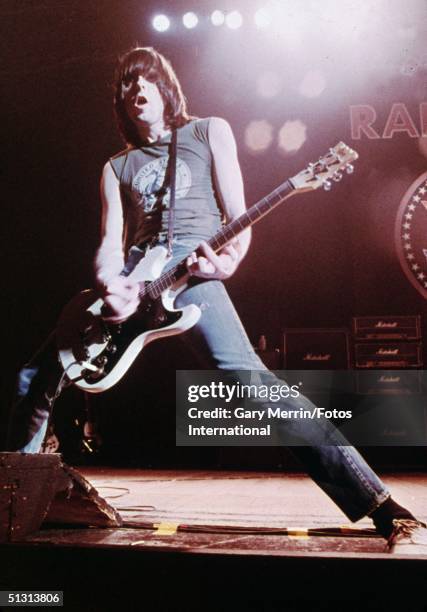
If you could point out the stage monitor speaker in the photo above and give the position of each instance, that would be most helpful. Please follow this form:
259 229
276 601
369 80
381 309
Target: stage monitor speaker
36 487
316 349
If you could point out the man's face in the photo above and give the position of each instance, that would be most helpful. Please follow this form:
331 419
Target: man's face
143 102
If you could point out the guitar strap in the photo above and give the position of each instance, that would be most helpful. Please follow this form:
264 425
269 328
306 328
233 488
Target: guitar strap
172 177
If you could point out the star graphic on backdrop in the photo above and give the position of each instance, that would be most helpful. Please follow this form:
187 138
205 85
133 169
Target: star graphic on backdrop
411 234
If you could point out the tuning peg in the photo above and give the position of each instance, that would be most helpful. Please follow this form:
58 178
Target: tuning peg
349 169
337 176
327 185
310 168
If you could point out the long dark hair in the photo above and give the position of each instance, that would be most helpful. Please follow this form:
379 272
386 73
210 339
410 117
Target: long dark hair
155 68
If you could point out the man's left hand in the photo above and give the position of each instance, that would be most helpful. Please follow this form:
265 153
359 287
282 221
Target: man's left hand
212 265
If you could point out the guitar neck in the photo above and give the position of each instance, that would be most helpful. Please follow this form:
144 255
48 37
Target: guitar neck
251 216
224 236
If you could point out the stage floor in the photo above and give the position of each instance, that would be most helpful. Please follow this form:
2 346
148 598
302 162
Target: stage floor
231 513
198 540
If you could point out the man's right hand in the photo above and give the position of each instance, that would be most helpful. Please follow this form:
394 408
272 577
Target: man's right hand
121 298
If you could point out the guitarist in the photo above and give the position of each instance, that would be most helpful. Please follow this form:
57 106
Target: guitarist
135 193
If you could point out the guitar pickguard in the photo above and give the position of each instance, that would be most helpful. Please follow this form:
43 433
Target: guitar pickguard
151 315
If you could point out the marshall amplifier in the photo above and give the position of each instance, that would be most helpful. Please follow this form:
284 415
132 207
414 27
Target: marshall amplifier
382 420
387 328
388 355
389 382
316 349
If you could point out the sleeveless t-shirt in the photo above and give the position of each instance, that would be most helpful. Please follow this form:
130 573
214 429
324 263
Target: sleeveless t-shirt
142 173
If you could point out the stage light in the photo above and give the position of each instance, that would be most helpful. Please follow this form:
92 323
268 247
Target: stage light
161 23
313 84
287 20
234 20
190 20
217 18
268 85
258 135
410 68
292 136
262 18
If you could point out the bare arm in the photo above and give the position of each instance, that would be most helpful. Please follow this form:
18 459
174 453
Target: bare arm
120 294
229 185
109 259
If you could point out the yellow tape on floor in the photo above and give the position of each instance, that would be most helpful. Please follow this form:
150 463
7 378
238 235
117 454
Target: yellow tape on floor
298 532
166 529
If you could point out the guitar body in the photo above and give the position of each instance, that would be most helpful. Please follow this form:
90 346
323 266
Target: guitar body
94 354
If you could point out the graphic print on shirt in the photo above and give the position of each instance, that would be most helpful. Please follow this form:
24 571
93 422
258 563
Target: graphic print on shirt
149 183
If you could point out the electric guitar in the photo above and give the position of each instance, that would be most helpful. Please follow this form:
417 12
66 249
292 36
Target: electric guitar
95 355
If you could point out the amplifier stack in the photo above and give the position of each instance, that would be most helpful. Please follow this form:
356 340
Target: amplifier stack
388 358
387 342
381 343
384 385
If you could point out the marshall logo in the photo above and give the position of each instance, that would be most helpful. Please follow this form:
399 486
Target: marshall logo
383 325
319 357
383 351
411 234
394 433
389 379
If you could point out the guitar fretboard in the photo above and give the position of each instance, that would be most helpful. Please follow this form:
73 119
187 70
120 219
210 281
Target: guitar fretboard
223 237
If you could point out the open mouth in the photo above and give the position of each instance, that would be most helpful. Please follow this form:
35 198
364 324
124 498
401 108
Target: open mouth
140 101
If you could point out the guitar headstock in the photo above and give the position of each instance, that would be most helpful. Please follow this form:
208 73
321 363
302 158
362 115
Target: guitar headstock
328 168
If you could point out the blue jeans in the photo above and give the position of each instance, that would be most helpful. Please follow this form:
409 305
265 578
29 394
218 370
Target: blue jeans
221 342
36 384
